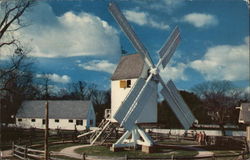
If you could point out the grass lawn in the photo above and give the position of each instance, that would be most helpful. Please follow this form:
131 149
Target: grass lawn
59 147
104 151
223 152
180 142
64 157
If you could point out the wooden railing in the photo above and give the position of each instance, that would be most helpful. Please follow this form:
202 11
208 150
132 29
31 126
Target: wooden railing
23 152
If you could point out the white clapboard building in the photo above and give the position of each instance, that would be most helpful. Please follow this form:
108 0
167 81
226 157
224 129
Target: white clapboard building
63 114
244 117
130 68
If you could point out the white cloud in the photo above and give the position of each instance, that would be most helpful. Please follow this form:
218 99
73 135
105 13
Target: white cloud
144 18
200 20
99 65
162 5
225 62
69 35
55 77
174 72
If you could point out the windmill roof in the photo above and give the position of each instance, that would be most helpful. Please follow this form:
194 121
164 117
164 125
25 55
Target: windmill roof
58 109
129 67
245 113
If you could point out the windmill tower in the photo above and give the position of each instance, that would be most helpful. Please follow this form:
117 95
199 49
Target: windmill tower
134 88
129 70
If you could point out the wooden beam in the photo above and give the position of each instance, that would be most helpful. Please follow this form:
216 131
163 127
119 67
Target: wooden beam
46 154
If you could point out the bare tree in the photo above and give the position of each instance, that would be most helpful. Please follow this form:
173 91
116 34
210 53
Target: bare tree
220 99
10 20
15 84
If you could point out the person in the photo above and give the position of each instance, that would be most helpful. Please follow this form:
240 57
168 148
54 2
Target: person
205 138
195 136
185 134
202 139
199 138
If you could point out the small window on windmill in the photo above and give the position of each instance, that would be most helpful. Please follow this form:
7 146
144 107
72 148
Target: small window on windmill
128 83
123 84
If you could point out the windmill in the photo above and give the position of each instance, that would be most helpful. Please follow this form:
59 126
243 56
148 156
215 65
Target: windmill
139 95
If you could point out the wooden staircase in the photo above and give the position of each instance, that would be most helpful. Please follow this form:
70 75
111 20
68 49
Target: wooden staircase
106 128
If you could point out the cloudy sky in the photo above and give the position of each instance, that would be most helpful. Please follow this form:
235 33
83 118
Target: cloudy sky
80 40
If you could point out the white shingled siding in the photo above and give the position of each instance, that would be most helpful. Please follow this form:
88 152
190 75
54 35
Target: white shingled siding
62 124
148 115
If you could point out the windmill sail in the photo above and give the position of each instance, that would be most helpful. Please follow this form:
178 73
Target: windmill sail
169 47
127 29
127 103
138 106
177 104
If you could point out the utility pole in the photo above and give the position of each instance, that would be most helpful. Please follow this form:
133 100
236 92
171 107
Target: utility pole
46 153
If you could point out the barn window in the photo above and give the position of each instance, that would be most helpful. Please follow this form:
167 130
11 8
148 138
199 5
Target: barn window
79 122
125 84
19 120
70 120
33 120
43 121
56 120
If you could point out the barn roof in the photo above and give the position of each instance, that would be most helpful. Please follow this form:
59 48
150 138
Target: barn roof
130 66
244 116
58 109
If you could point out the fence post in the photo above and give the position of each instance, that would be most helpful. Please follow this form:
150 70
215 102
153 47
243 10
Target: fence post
13 148
49 155
172 157
243 155
83 156
25 152
126 157
213 158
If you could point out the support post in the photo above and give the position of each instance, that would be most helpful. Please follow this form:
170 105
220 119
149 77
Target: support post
46 153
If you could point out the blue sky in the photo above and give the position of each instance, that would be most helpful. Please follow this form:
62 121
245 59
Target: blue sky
80 40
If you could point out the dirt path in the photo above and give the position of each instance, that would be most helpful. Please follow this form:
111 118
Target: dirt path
203 153
69 151
5 153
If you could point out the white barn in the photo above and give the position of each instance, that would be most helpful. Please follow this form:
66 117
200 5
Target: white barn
63 114
130 68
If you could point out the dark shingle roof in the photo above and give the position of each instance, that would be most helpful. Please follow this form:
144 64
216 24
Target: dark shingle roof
245 113
58 109
130 66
